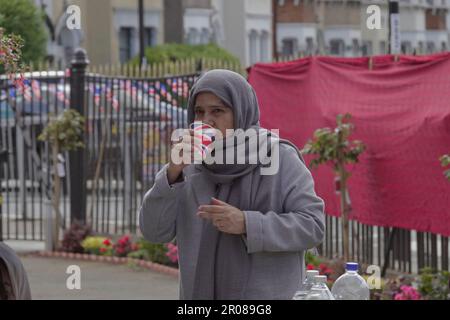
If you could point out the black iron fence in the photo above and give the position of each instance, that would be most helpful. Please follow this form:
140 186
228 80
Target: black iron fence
128 124
395 249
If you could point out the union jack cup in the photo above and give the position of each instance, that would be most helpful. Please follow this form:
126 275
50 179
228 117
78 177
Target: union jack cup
206 134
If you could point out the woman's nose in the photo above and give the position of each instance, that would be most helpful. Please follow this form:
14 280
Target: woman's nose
208 120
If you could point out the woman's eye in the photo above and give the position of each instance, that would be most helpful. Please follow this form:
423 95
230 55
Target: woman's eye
217 110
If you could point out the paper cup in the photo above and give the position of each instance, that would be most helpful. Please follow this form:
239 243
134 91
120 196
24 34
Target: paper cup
207 135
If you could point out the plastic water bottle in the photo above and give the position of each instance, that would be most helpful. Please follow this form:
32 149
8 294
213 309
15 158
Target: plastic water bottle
351 286
319 290
306 286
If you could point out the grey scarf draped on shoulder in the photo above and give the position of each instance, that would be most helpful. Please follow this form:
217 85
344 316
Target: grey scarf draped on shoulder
223 179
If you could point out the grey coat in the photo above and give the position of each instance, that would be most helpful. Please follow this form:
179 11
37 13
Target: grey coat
16 276
283 215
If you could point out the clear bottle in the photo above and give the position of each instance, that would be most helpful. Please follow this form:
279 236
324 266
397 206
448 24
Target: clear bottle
351 286
306 286
319 290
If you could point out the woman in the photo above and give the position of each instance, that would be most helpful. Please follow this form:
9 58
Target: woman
13 277
240 234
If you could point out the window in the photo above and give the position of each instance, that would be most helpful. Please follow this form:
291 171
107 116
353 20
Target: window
444 46
205 36
253 41
355 47
265 46
193 36
337 47
309 46
383 47
150 37
367 48
431 47
281 2
406 47
289 47
420 46
125 42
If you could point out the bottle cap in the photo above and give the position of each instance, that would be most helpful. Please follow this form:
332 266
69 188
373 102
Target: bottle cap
312 273
351 266
321 279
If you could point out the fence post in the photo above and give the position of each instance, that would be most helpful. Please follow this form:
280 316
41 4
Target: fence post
78 158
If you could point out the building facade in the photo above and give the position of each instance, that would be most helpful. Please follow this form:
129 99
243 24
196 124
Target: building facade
244 28
109 29
339 27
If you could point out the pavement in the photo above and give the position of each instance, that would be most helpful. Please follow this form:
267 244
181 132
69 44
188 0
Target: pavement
48 278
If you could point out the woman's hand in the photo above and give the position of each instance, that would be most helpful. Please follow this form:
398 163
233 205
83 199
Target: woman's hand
185 143
225 217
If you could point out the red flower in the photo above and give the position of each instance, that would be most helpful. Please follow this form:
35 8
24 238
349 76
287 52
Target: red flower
310 267
120 250
102 250
107 242
124 240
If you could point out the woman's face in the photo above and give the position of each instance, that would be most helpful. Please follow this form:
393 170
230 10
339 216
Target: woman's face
211 110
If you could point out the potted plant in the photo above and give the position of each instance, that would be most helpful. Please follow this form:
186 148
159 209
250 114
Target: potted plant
64 132
445 161
332 146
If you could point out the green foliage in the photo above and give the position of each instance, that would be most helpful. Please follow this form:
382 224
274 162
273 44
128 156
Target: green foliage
434 285
24 18
312 259
97 245
150 252
333 145
10 53
174 52
445 161
65 131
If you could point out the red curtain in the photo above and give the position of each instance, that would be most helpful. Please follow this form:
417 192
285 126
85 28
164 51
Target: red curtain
401 111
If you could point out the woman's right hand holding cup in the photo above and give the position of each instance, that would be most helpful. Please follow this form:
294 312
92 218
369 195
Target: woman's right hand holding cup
178 159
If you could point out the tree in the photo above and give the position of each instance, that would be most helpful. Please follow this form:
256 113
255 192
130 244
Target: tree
64 133
24 19
445 161
333 147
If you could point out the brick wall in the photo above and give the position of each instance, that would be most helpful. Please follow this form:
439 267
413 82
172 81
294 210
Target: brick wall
289 12
436 20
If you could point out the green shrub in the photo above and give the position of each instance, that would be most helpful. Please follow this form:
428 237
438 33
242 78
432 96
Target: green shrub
174 52
151 252
97 245
434 285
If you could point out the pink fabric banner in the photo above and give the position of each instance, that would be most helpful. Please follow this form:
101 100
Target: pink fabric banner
401 111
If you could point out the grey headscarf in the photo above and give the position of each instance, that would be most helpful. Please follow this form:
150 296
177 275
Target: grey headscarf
239 95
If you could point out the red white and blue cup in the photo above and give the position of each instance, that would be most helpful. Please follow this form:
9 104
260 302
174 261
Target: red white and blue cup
206 134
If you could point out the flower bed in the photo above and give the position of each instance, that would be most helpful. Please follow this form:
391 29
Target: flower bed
80 243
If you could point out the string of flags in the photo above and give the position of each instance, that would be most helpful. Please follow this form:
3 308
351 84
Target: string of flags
104 94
